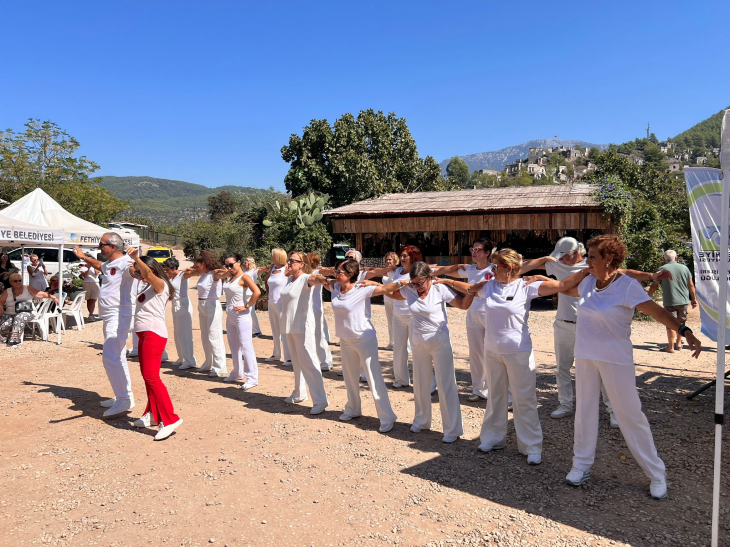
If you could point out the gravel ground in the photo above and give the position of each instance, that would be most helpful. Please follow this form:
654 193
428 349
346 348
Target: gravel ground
247 469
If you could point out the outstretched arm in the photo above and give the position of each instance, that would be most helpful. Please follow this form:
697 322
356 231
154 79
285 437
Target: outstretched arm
646 276
568 286
655 311
461 302
536 263
90 261
391 290
148 276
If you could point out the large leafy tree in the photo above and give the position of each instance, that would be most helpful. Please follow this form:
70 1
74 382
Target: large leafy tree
44 156
220 205
457 172
358 158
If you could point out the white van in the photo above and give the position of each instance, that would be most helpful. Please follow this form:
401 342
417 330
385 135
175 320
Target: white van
49 256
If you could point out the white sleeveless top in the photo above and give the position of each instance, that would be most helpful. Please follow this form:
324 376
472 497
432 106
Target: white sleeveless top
208 287
277 281
400 307
236 295
10 300
180 299
150 310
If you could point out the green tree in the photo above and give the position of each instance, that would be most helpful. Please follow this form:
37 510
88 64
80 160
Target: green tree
593 154
44 156
654 155
457 172
358 158
229 234
220 205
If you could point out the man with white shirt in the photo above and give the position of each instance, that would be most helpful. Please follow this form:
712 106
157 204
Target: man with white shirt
115 309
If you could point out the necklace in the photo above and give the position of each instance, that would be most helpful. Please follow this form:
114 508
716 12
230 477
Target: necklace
342 294
609 283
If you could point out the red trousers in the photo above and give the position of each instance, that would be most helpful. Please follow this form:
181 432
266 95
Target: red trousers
150 351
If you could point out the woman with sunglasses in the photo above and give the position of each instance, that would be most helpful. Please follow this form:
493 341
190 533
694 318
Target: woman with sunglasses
426 298
12 323
151 298
358 340
275 282
299 328
237 286
6 268
210 313
182 315
321 335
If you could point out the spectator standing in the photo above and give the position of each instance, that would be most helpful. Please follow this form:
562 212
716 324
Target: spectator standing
90 276
37 271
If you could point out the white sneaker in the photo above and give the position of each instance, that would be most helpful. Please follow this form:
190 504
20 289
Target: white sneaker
186 366
563 411
230 378
214 374
415 429
398 385
384 428
271 359
293 400
287 363
448 439
166 430
144 421
576 477
318 409
658 489
109 402
249 384
345 417
534 459
119 407
612 420
488 447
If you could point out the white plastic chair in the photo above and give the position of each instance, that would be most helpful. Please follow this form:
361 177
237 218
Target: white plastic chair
39 321
76 310
55 319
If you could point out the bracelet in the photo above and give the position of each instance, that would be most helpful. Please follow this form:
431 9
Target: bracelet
683 329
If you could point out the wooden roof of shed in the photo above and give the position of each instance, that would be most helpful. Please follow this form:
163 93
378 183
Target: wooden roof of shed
553 197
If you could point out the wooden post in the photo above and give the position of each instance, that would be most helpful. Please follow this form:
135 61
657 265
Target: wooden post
358 241
452 242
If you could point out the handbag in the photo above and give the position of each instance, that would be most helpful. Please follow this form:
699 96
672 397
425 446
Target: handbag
23 306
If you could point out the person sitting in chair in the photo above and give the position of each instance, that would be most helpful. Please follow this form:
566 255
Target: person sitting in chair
16 309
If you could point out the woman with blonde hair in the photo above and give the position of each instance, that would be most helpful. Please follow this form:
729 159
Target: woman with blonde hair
298 326
275 282
37 277
12 320
321 335
249 267
391 263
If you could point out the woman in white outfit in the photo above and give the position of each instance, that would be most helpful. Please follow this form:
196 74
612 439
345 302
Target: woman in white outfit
37 271
91 287
508 351
604 354
182 315
210 314
275 282
298 327
358 340
426 298
249 266
237 287
391 263
321 334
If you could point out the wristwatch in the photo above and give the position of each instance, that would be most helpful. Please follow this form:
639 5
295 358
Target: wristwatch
683 329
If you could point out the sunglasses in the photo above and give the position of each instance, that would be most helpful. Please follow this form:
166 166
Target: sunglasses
16 280
476 249
501 265
421 284
292 261
100 245
229 265
340 272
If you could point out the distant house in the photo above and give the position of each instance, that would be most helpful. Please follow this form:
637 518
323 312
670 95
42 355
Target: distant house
701 160
716 152
636 159
492 172
571 154
514 168
537 171
675 165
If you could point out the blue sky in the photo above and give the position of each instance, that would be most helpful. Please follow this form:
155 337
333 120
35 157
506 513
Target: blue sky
209 92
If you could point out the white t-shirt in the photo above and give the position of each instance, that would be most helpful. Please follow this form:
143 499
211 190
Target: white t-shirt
475 275
93 276
150 310
208 287
296 305
603 330
352 311
400 307
115 294
277 281
566 304
428 315
507 308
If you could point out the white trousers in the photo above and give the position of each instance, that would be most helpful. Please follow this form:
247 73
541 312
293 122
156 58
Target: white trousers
475 332
255 329
564 338
182 324
114 355
210 314
389 317
360 356
401 332
620 384
321 339
435 353
239 327
306 368
277 332
514 372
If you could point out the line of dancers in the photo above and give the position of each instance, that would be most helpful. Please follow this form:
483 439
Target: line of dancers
592 327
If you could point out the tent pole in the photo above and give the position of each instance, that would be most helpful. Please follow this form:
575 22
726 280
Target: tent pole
60 292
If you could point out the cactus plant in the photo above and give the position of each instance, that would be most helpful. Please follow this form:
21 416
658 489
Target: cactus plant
307 209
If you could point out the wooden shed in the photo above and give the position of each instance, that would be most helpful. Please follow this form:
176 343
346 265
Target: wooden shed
444 224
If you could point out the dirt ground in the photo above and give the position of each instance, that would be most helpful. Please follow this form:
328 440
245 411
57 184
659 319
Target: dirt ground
247 469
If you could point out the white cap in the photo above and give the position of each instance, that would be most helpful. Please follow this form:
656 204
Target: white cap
565 246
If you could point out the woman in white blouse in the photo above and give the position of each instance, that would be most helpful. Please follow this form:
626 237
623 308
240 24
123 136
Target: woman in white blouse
182 315
210 314
151 298
391 263
358 340
241 295
426 298
275 282
299 329
321 335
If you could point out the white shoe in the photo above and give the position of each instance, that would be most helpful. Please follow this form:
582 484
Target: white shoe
658 489
345 417
415 429
612 420
214 374
230 378
109 402
398 385
249 384
144 421
293 400
318 409
271 359
287 363
384 428
534 459
166 430
186 366
389 347
448 439
576 477
488 447
204 368
165 358
563 411
119 407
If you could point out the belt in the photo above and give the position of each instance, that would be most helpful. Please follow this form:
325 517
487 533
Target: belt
566 321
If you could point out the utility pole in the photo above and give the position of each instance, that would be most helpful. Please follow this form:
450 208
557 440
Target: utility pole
648 129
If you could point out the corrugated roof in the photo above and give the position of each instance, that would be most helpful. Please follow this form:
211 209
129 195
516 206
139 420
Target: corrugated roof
555 196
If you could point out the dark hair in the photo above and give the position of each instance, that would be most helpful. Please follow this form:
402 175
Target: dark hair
9 263
420 269
487 243
233 255
413 252
206 257
609 244
314 259
171 263
156 268
350 266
